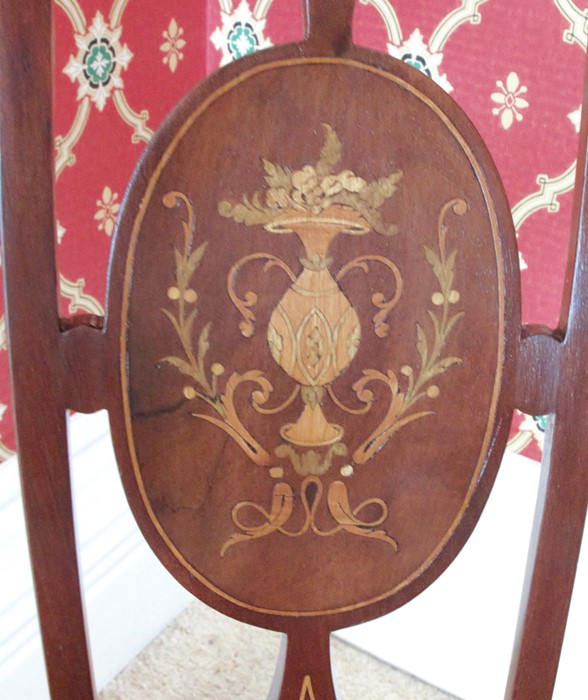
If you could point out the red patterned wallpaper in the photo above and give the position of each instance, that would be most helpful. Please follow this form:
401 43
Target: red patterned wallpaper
120 65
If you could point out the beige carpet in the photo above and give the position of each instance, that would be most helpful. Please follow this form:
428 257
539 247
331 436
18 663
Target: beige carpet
207 656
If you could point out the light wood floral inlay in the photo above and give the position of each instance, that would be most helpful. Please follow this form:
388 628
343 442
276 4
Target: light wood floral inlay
313 334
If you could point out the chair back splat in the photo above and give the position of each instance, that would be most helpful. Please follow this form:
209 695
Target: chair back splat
295 324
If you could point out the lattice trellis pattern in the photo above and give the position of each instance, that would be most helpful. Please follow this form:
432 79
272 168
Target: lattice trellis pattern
120 65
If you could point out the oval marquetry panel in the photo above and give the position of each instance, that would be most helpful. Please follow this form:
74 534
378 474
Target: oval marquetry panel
311 278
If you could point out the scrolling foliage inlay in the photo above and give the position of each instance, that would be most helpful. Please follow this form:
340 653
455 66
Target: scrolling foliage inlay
313 333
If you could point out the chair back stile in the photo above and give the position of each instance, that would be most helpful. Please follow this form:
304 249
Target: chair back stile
553 380
38 366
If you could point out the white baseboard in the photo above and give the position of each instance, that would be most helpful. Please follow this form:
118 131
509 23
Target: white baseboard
457 635
129 596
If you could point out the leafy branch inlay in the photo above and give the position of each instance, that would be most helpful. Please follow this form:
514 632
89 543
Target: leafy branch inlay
192 364
417 384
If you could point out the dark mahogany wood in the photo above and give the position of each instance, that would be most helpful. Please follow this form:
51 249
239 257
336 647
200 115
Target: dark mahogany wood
206 512
560 364
39 375
304 665
195 477
328 26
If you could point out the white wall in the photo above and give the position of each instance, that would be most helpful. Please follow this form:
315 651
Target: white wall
457 635
129 596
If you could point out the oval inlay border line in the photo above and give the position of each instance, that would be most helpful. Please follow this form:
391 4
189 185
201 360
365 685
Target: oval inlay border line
500 354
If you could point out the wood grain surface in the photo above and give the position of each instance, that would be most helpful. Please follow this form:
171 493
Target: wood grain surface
376 429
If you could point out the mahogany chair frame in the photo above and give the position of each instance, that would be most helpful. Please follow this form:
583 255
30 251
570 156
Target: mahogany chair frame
57 365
